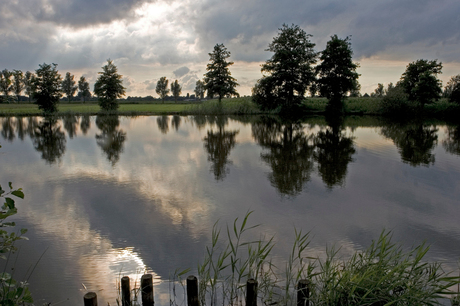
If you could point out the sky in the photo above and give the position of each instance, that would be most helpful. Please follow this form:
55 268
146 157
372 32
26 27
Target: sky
148 39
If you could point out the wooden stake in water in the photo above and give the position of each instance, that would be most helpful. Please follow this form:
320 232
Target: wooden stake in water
125 292
192 291
303 292
147 290
90 299
251 292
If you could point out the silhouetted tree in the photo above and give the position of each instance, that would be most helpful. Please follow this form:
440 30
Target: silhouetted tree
111 139
109 87
6 84
28 84
176 90
289 71
452 89
49 140
47 87
69 86
218 79
18 83
289 153
199 89
379 91
420 81
218 145
337 73
83 87
415 142
162 88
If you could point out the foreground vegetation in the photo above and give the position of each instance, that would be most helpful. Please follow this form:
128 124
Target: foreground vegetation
241 106
383 274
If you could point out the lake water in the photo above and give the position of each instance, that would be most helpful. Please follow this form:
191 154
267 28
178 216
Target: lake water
114 196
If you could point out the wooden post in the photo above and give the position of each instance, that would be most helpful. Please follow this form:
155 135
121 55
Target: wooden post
125 292
147 290
192 291
303 292
251 292
90 299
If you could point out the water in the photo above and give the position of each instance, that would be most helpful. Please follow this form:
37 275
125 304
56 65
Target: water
107 197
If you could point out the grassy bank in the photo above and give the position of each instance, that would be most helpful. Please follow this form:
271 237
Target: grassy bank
234 106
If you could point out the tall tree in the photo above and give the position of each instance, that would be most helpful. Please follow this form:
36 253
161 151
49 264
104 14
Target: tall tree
162 88
28 84
199 89
337 72
379 91
218 79
18 83
109 87
47 87
289 72
83 87
176 90
5 84
420 81
69 86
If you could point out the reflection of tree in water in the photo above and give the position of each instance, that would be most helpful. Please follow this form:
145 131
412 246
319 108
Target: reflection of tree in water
218 145
8 129
175 122
289 154
163 124
333 152
32 123
415 142
452 143
20 127
111 139
49 140
85 124
200 121
70 125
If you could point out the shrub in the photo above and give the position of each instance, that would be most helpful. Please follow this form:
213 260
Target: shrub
396 102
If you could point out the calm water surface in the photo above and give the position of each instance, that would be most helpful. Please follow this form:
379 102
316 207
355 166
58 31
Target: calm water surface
114 196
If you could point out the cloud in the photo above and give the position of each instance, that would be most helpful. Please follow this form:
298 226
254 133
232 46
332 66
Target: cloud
181 72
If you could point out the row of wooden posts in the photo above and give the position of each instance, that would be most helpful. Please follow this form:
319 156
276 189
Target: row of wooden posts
90 298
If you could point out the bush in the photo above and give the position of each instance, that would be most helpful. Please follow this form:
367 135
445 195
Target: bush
396 102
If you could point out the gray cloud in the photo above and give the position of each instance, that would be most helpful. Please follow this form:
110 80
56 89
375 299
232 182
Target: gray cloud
181 72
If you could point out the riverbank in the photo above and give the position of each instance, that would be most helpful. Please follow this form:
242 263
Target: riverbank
232 106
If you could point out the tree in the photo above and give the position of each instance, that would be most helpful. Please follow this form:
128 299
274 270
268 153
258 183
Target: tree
69 86
47 87
176 90
109 87
452 89
18 83
289 71
199 89
28 84
218 79
83 87
337 72
5 84
379 91
420 81
162 88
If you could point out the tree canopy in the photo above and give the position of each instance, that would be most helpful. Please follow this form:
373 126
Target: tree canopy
109 87
162 88
83 88
199 89
176 90
420 81
69 86
47 87
337 73
289 72
5 84
218 79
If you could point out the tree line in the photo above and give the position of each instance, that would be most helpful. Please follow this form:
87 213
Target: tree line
294 70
